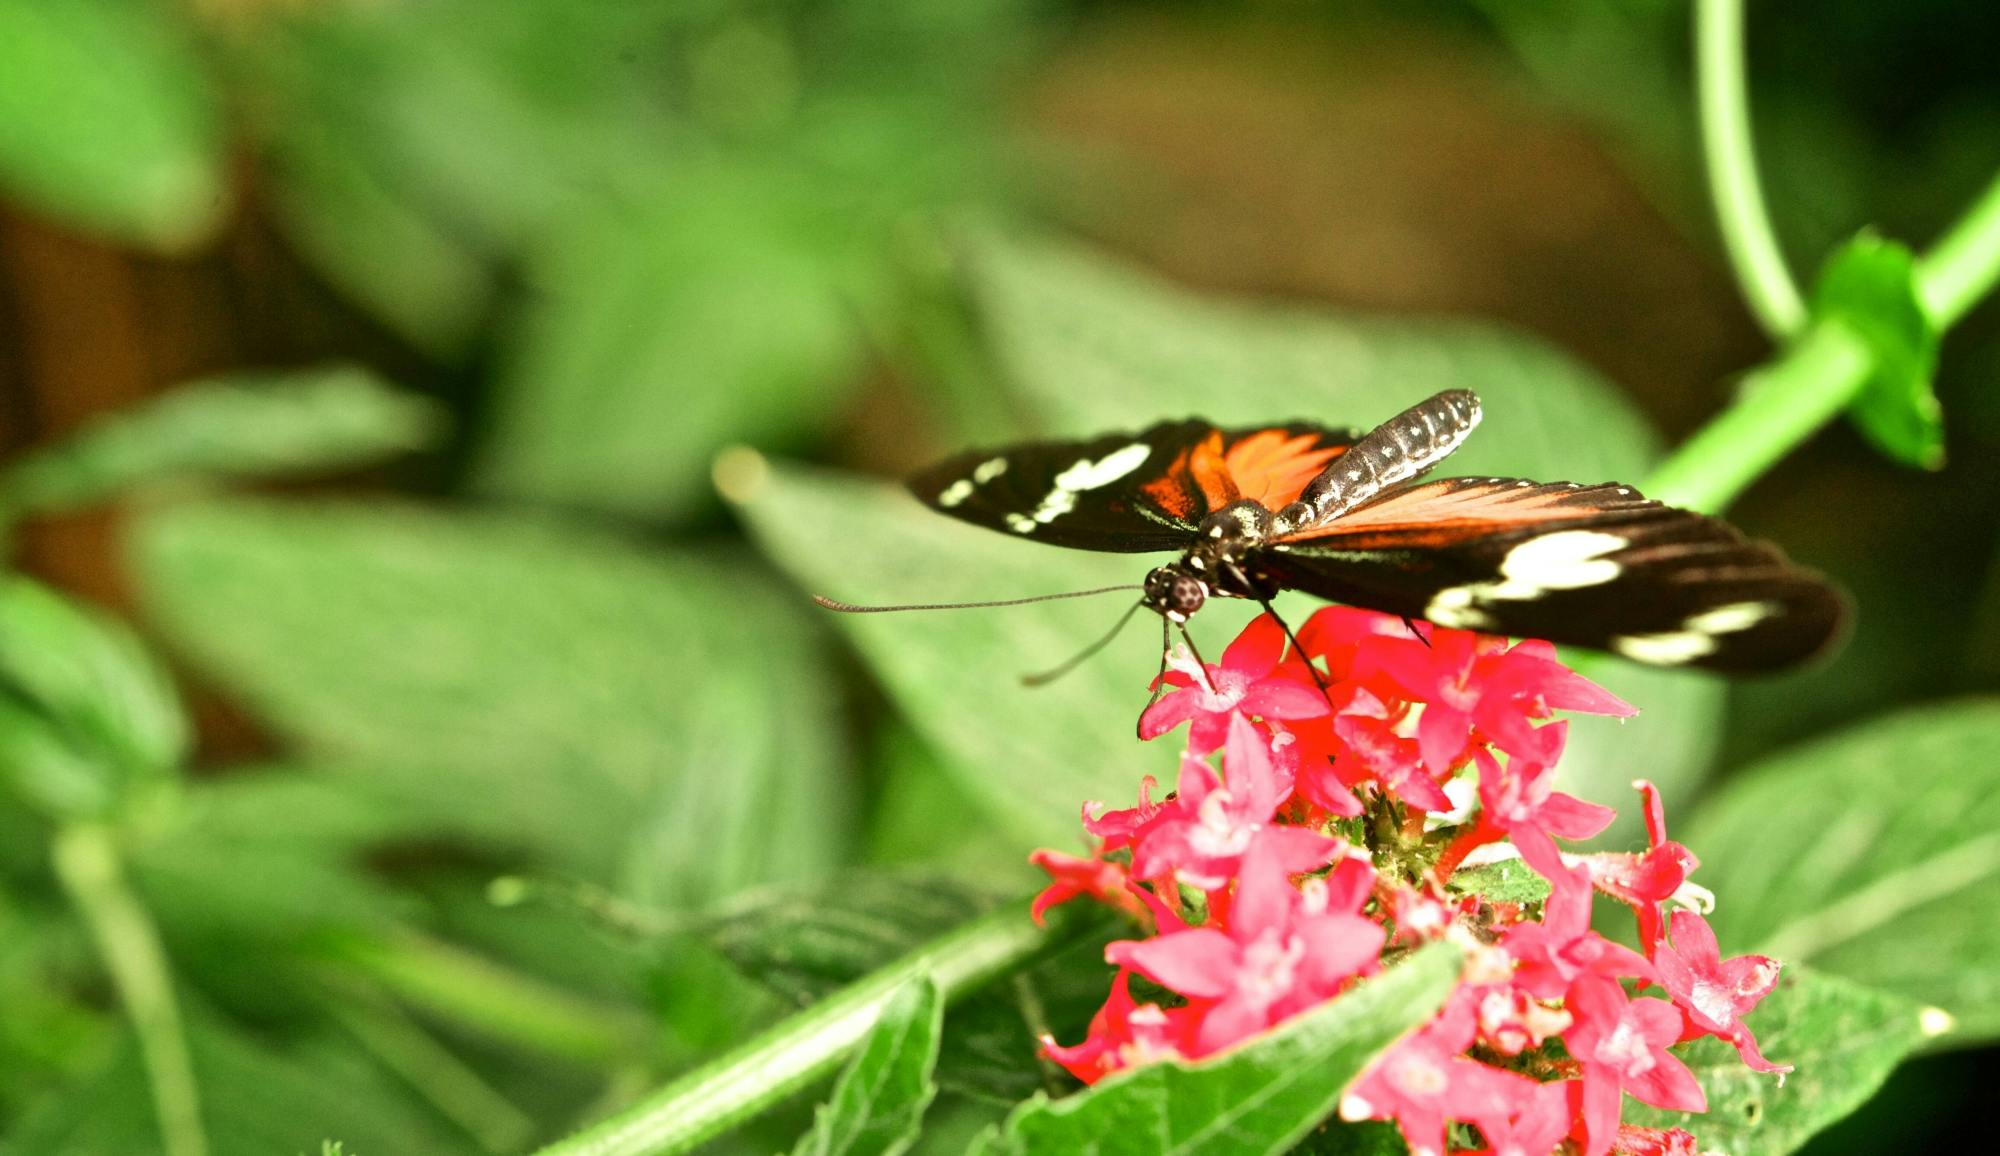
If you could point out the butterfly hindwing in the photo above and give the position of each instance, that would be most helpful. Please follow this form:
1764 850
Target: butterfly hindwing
1128 493
1597 566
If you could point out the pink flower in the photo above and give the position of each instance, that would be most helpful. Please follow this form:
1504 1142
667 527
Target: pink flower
1647 879
1336 634
1622 1044
1426 1081
1543 1118
1472 685
1553 954
1124 1034
1201 838
1251 680
1307 751
1282 950
1522 793
1712 994
1071 876
1121 829
1371 747
1636 1141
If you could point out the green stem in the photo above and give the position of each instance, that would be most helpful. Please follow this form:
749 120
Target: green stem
87 863
803 1048
474 991
1964 263
1732 170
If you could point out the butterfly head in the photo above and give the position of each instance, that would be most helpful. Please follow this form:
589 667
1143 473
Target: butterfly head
1173 593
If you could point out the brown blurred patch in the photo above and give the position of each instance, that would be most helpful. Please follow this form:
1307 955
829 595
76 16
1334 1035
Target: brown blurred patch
1399 169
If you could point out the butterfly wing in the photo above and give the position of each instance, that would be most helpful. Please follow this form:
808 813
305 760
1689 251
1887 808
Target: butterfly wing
1128 493
1598 566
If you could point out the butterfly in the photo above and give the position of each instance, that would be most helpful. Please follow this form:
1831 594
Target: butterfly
1343 515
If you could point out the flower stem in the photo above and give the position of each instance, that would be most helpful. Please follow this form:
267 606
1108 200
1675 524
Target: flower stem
1964 263
86 862
707 1101
1747 235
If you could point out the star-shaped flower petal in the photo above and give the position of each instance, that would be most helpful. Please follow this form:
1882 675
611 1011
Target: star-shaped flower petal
1124 1033
1622 1044
1251 681
1715 994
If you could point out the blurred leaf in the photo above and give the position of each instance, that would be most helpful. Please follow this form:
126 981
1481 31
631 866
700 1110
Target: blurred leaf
878 1104
251 426
660 336
1340 1138
1029 757
913 788
1870 286
656 723
807 942
1094 345
1843 1039
1867 855
258 1099
1261 1097
1508 881
108 120
85 713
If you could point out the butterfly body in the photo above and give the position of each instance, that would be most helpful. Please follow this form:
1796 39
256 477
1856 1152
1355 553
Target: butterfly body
1343 515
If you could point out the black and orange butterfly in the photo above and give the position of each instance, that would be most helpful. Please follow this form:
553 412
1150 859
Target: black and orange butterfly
1341 515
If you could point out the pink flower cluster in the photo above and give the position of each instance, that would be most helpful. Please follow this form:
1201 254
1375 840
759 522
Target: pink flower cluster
1327 845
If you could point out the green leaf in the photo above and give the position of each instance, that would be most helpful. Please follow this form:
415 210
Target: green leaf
1028 756
1262 1097
1843 1039
258 1098
713 317
108 120
246 426
658 723
1869 285
85 713
1509 881
805 943
1869 855
878 1104
1093 345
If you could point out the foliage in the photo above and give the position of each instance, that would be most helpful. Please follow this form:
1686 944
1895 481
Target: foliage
432 762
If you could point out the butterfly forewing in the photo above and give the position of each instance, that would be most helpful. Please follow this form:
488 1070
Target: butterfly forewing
1128 493
1597 566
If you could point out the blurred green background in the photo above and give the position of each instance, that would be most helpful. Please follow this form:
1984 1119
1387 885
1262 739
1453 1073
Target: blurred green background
364 368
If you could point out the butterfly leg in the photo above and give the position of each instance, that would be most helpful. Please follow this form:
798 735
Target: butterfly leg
1319 679
1411 623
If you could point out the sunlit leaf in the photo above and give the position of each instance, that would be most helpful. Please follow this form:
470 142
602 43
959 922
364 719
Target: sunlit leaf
109 121
1261 1097
249 426
1842 1038
878 1104
1869 855
658 723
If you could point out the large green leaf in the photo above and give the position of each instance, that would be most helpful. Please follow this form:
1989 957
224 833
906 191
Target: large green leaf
1871 855
85 712
656 722
1030 757
1093 345
1262 1097
108 120
661 335
878 1104
805 943
243 426
1842 1038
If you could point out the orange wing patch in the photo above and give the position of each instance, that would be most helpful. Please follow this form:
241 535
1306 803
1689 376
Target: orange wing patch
1196 483
1273 467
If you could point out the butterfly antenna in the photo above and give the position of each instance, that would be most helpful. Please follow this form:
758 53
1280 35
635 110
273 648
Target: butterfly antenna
850 608
1048 676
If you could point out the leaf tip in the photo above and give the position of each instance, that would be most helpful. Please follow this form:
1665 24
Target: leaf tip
740 474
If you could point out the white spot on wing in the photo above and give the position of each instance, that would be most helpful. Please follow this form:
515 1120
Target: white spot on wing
1089 475
1453 606
955 493
988 470
1668 648
1731 618
1566 560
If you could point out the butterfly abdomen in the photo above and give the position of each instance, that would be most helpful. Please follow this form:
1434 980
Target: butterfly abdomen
1397 450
